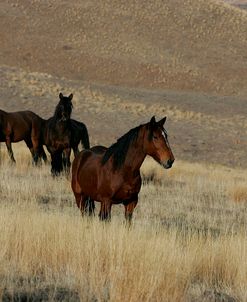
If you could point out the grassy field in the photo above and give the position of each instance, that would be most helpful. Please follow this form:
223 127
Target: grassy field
187 242
126 61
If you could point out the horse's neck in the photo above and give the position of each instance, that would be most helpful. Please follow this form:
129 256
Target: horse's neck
60 126
136 155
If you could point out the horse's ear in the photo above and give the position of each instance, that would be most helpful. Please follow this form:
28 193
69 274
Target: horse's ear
152 122
161 123
71 96
60 95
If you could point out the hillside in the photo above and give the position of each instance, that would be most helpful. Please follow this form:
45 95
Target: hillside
126 61
207 128
190 45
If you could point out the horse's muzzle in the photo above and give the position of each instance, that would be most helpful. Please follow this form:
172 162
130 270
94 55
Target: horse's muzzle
168 164
63 119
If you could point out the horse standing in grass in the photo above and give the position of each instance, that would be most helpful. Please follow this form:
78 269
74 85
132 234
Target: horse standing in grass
19 126
112 176
57 134
79 134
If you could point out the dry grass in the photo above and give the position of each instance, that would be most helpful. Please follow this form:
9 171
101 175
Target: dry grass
188 236
239 193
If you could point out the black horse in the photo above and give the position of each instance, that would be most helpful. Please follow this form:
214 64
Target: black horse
79 135
57 135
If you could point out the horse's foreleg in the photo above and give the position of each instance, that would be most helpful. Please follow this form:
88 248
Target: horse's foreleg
36 149
10 151
105 210
42 154
129 209
56 163
67 162
30 147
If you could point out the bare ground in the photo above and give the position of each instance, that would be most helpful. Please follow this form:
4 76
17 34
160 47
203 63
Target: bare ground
194 45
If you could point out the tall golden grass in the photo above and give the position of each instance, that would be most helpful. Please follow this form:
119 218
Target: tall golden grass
188 236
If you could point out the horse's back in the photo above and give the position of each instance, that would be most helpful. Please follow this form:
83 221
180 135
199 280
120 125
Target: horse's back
77 124
87 162
85 157
22 117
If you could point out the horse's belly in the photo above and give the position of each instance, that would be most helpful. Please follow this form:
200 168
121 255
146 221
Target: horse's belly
60 145
18 136
125 193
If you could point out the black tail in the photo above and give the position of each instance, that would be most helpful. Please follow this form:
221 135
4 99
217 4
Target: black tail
90 206
85 137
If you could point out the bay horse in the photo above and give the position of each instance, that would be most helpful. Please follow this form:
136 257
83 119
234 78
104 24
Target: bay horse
56 134
112 175
22 125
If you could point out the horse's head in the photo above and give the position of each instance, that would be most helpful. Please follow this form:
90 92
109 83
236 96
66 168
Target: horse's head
156 143
64 107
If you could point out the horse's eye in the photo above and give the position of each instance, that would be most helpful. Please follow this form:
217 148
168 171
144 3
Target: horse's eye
155 137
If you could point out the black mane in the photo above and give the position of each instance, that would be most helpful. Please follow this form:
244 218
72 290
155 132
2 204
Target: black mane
119 149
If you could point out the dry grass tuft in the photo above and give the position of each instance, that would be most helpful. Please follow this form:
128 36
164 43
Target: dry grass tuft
239 193
151 172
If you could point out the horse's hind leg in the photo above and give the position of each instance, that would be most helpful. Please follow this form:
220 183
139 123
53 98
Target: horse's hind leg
10 151
36 148
30 147
81 202
36 142
90 206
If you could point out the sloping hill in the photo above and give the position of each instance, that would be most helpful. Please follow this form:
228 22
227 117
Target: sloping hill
205 128
181 45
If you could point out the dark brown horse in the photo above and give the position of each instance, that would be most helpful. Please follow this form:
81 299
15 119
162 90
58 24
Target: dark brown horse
112 176
22 125
56 134
79 135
